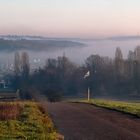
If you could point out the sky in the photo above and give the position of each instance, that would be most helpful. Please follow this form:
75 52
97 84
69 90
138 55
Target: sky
70 18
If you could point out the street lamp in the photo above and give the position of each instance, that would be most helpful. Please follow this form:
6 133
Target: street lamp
87 75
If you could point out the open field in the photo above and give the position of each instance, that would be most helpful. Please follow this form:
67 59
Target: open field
25 121
127 107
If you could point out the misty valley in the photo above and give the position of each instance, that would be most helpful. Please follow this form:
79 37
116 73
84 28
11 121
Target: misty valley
41 48
112 62
69 69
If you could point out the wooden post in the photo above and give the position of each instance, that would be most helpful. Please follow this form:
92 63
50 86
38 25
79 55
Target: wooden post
88 94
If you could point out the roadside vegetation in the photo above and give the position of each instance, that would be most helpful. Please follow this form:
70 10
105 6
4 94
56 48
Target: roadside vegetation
127 107
25 121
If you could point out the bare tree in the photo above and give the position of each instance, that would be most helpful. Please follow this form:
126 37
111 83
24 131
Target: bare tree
119 63
25 79
137 53
17 64
25 65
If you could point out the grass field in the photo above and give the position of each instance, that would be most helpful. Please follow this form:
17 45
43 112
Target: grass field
127 107
25 121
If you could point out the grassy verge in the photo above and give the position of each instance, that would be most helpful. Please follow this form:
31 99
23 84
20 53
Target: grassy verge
127 107
25 121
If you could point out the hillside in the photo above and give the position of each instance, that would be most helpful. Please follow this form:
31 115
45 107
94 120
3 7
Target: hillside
36 45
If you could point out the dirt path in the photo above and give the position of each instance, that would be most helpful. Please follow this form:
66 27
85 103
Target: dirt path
87 122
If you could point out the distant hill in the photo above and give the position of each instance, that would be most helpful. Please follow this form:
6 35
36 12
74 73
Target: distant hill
18 37
124 38
15 43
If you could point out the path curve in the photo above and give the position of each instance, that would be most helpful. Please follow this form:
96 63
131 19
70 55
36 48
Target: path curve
77 121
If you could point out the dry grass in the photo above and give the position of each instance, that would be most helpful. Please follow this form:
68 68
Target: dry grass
9 111
26 121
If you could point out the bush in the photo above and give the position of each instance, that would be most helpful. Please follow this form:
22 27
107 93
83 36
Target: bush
54 96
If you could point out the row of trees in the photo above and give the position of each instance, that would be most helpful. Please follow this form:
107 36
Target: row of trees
108 77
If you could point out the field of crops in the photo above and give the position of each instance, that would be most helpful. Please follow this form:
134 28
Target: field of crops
127 107
25 121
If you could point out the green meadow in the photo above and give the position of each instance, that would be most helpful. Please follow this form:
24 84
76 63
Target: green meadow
127 107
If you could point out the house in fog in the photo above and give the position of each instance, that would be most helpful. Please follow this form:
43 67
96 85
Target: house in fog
3 84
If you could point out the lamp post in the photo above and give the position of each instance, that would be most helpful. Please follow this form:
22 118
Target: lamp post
88 90
87 75
88 94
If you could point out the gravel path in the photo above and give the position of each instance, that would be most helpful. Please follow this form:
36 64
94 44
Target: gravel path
77 121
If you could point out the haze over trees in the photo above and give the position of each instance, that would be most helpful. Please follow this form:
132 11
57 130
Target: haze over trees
60 77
